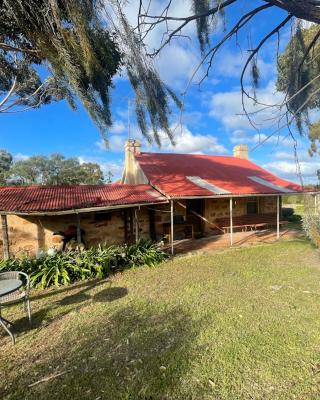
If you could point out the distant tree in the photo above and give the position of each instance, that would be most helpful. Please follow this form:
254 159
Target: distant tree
54 170
318 176
109 177
5 165
27 172
91 174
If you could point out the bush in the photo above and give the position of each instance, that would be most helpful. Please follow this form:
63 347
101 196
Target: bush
287 212
67 267
294 218
311 226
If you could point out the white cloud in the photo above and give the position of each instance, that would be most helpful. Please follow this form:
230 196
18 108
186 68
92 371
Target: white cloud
176 61
118 127
187 142
115 143
226 107
176 64
230 64
288 169
302 154
155 37
20 157
240 136
115 167
279 140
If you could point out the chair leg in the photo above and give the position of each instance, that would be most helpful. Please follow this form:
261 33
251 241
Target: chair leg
28 309
8 331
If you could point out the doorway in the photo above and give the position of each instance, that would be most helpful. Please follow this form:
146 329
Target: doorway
193 207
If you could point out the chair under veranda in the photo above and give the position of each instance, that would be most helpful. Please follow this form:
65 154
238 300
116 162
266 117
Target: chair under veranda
20 295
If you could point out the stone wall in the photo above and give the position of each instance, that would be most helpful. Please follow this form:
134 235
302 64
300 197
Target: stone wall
220 208
268 205
213 209
28 234
163 216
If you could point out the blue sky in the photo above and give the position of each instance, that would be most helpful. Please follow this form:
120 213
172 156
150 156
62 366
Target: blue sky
211 120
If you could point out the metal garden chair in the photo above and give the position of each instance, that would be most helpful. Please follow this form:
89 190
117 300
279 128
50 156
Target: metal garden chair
20 295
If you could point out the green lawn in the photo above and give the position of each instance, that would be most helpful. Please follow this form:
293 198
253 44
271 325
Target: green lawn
238 324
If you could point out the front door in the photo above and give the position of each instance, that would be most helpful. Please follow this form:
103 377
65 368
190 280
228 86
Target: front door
194 207
252 206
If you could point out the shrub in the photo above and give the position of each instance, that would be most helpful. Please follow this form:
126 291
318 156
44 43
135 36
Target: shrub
287 212
294 218
311 226
67 267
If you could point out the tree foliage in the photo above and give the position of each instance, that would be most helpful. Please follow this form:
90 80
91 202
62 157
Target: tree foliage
71 41
82 50
152 102
5 165
298 78
54 170
298 66
83 44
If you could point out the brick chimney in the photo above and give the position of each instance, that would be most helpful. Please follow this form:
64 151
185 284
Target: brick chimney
241 151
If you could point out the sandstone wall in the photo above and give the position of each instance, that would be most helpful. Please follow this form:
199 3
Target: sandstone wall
163 215
268 205
220 208
213 209
28 234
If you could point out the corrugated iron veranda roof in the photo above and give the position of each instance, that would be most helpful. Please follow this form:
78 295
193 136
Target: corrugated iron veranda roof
32 199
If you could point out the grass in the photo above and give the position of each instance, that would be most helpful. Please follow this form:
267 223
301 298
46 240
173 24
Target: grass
237 324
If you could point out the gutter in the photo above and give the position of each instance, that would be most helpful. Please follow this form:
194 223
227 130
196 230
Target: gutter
80 210
228 196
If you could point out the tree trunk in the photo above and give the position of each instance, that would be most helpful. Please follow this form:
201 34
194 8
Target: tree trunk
308 10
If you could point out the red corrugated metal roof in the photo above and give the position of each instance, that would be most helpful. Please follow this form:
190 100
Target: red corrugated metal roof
173 175
28 199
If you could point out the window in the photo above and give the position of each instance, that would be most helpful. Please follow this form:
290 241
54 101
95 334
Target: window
252 206
102 216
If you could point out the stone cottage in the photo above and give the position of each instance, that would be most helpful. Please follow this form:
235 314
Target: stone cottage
161 196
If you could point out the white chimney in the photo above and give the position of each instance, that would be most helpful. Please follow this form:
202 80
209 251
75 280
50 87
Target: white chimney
132 172
241 151
132 146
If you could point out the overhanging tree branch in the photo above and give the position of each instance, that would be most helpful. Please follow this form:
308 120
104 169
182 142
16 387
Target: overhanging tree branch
7 47
304 9
250 58
185 21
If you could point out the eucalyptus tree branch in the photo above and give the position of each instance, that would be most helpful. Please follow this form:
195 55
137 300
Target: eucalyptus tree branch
184 21
285 102
308 49
25 99
289 121
240 24
10 93
193 17
7 47
308 10
250 58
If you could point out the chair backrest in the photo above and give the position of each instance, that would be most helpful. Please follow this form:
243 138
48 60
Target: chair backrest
16 275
